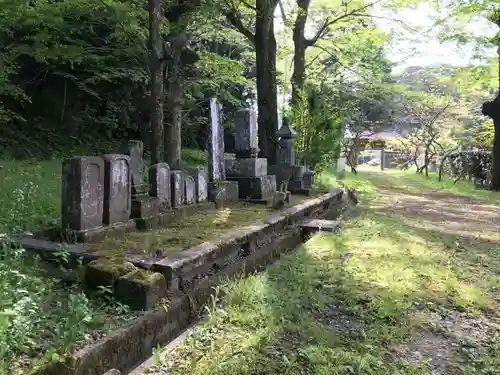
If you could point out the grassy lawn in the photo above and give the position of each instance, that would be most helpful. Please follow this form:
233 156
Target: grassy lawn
389 292
464 188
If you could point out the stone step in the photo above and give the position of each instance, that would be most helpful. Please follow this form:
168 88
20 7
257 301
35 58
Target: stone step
113 372
320 225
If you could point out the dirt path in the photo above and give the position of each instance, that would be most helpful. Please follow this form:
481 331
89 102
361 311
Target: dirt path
454 339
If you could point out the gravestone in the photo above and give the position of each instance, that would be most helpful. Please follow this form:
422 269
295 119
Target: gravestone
117 189
177 188
245 134
216 140
189 190
297 178
159 177
200 177
136 153
82 203
143 205
250 172
219 190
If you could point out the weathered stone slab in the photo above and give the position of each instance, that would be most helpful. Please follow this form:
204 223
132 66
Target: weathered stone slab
189 190
136 153
141 289
113 372
105 272
144 206
216 141
200 176
318 225
159 177
248 167
82 193
262 187
177 188
223 192
245 127
117 189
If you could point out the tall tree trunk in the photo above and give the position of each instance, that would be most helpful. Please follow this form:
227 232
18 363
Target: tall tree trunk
495 170
267 95
156 103
299 55
172 140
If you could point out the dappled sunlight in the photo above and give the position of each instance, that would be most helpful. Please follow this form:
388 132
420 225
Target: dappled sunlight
372 291
222 216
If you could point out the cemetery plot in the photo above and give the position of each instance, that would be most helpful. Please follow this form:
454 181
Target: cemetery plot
183 234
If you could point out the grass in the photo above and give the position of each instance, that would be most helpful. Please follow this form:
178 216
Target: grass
346 304
463 188
182 234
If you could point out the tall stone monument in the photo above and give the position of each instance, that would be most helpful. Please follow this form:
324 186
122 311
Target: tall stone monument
219 189
247 169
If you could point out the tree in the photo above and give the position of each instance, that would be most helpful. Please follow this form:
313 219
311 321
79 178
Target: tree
368 110
157 56
428 112
488 11
263 39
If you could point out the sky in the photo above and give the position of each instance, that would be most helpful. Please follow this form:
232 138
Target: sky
410 48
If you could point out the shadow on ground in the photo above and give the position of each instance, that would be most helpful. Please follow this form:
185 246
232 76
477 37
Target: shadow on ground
410 286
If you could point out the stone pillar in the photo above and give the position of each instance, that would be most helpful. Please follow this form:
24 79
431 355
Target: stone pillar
216 140
219 190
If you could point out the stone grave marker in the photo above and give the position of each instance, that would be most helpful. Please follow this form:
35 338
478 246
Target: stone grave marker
117 189
298 178
216 139
189 190
219 190
136 153
200 177
159 177
177 187
82 203
250 172
246 133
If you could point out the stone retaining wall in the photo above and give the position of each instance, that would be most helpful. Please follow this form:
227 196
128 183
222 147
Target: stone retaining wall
190 277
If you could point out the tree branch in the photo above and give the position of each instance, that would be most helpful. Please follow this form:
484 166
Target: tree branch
329 22
233 18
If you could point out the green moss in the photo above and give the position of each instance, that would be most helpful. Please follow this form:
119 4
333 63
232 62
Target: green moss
143 277
117 267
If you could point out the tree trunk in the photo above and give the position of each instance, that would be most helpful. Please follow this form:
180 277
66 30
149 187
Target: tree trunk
299 55
267 99
156 103
492 110
172 140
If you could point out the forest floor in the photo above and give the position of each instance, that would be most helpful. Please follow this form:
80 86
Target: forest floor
410 286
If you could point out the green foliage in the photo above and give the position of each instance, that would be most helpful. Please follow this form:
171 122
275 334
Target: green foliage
41 319
74 74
